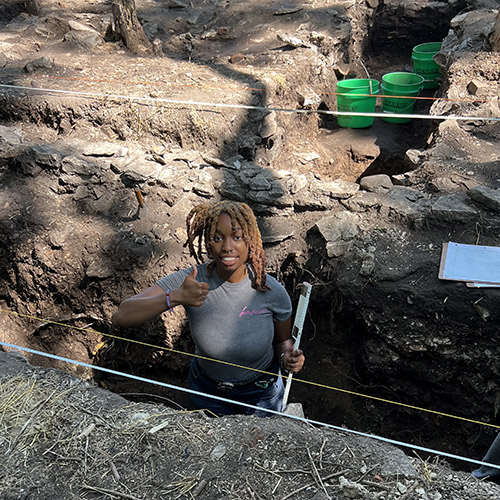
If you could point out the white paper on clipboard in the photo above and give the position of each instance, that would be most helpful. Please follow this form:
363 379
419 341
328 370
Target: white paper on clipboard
476 264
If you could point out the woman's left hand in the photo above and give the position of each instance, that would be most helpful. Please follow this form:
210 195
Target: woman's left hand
293 361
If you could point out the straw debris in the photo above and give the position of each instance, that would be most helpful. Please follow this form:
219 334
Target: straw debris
61 437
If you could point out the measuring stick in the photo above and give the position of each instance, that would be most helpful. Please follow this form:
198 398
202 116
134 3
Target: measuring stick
300 316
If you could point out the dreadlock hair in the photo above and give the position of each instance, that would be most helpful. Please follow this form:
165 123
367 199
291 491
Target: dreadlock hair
201 224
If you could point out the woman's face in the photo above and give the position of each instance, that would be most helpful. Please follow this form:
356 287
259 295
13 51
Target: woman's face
229 250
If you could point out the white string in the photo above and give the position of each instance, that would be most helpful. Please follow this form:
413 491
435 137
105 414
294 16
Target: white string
247 106
225 400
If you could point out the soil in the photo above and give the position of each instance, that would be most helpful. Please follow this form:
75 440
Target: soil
77 243
66 439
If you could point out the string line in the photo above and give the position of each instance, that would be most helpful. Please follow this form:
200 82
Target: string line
233 86
274 412
311 383
155 101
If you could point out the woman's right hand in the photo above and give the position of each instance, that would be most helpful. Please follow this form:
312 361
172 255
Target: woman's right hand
191 292
151 302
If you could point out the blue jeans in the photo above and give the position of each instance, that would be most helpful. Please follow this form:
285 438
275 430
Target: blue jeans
265 392
491 457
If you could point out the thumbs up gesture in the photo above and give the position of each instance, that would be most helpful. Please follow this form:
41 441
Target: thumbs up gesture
192 292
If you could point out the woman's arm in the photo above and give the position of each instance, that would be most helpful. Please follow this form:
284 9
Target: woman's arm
141 307
152 302
293 359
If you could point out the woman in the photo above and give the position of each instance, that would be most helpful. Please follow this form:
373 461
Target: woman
238 314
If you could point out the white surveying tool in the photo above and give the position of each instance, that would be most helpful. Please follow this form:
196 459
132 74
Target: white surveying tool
300 316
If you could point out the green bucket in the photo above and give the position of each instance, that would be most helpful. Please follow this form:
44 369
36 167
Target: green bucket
358 95
405 86
422 59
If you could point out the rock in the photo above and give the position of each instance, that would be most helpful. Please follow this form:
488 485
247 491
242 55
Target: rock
217 162
380 183
224 32
306 200
475 87
292 41
276 229
338 231
236 58
271 197
157 47
204 189
248 171
75 166
294 409
452 208
401 488
81 193
406 194
308 157
145 170
260 183
443 184
468 32
232 189
40 157
367 264
308 99
342 67
269 125
422 495
177 4
414 157
57 237
9 135
283 11
298 183
76 26
433 496
218 452
248 146
3 59
41 63
486 196
353 490
401 180
99 269
338 189
364 149
363 201
83 36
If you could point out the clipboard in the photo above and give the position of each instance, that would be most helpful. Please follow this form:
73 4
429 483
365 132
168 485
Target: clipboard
478 265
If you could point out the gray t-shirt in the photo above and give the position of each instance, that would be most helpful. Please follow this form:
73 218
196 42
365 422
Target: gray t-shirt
234 324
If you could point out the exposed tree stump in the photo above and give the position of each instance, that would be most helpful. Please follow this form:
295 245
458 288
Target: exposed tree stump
495 37
127 27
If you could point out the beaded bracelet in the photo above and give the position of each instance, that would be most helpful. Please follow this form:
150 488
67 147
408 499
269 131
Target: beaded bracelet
169 305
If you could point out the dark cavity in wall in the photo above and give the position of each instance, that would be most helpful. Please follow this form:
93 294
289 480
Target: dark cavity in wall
397 27
340 388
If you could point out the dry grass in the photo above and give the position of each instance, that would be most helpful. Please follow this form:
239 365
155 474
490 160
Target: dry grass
61 437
